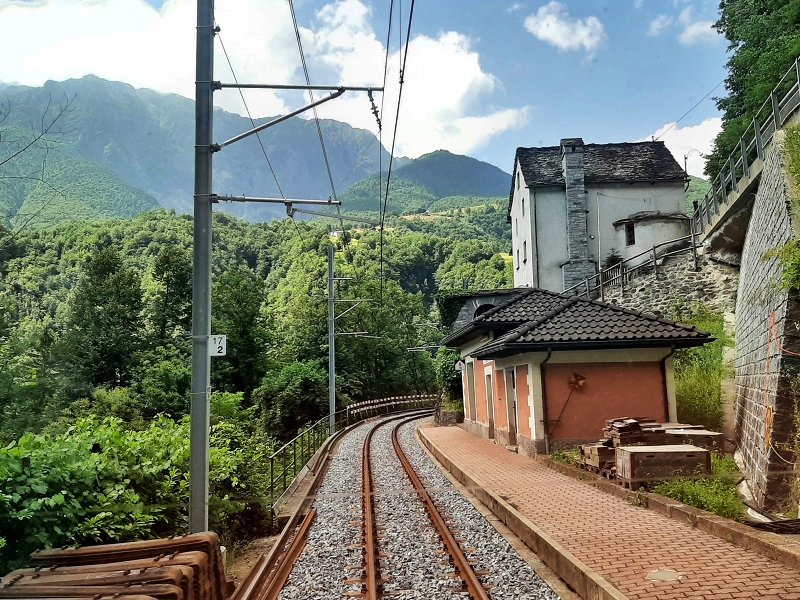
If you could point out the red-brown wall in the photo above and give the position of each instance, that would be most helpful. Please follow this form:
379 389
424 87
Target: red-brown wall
610 390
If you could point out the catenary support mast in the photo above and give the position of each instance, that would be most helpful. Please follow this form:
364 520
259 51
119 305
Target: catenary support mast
201 288
204 199
331 346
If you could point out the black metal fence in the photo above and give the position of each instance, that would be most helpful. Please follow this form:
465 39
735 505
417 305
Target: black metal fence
623 272
288 461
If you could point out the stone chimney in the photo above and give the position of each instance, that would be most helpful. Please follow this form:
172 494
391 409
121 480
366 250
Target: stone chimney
578 267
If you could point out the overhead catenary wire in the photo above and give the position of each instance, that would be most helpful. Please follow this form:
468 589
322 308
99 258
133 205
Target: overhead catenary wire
684 115
316 121
380 138
311 97
403 63
250 116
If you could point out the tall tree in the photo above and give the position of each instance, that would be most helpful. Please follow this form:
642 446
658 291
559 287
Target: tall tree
764 38
237 299
103 328
172 302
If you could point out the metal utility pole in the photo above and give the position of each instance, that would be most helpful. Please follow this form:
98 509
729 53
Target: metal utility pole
331 346
204 199
201 288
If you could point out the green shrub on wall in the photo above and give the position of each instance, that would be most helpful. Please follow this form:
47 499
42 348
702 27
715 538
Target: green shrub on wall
789 254
447 378
699 371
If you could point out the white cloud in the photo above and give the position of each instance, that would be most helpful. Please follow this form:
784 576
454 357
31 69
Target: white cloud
130 41
695 30
443 84
637 4
658 25
694 141
516 7
553 25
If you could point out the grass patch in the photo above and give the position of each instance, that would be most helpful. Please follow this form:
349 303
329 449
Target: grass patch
568 456
716 494
699 371
453 406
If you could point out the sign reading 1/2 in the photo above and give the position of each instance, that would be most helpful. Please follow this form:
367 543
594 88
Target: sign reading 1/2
217 345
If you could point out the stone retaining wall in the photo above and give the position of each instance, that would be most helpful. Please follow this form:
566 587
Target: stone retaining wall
677 283
767 319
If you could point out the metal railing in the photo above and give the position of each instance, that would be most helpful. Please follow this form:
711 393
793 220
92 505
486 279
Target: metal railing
782 103
288 461
621 273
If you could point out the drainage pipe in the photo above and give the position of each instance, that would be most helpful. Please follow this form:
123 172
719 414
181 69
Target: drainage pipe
544 401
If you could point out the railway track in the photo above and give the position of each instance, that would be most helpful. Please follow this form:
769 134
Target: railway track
368 529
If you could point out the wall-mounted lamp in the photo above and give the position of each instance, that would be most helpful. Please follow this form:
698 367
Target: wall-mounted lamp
576 381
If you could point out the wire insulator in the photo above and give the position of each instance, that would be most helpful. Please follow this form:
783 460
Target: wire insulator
374 109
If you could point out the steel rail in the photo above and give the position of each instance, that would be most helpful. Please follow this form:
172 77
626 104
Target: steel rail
371 591
272 589
463 568
259 578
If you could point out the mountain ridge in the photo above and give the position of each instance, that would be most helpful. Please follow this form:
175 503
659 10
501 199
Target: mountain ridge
145 139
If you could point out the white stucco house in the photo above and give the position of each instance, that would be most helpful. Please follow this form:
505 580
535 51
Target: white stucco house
571 204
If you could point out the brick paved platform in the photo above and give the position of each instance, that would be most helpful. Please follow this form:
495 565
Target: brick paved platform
618 546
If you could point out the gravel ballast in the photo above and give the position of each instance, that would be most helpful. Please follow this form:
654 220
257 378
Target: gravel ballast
413 564
510 577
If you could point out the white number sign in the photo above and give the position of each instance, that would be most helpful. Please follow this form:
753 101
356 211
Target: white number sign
217 345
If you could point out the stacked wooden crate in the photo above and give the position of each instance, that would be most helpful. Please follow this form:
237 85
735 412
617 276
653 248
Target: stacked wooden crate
642 464
629 432
696 436
639 450
597 457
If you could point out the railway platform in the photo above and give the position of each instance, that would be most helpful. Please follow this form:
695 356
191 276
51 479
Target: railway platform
603 545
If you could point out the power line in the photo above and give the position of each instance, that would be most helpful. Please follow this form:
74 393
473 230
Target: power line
698 103
311 96
394 133
250 116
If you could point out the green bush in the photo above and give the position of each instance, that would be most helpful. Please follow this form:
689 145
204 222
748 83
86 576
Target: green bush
716 494
699 371
98 482
568 456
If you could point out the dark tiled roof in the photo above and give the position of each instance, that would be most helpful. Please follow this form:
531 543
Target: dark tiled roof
578 323
530 305
603 163
525 305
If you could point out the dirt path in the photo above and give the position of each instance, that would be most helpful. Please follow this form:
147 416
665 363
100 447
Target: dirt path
243 559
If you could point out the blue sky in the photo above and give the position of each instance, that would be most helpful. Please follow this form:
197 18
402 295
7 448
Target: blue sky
482 78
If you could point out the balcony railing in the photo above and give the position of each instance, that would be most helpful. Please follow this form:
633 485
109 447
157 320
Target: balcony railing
782 103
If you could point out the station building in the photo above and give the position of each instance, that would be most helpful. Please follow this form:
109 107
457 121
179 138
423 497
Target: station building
544 369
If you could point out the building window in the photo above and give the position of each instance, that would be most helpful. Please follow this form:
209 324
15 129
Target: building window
524 251
517 258
517 179
630 235
523 206
516 226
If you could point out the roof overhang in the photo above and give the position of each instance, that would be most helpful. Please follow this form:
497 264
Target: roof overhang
497 349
